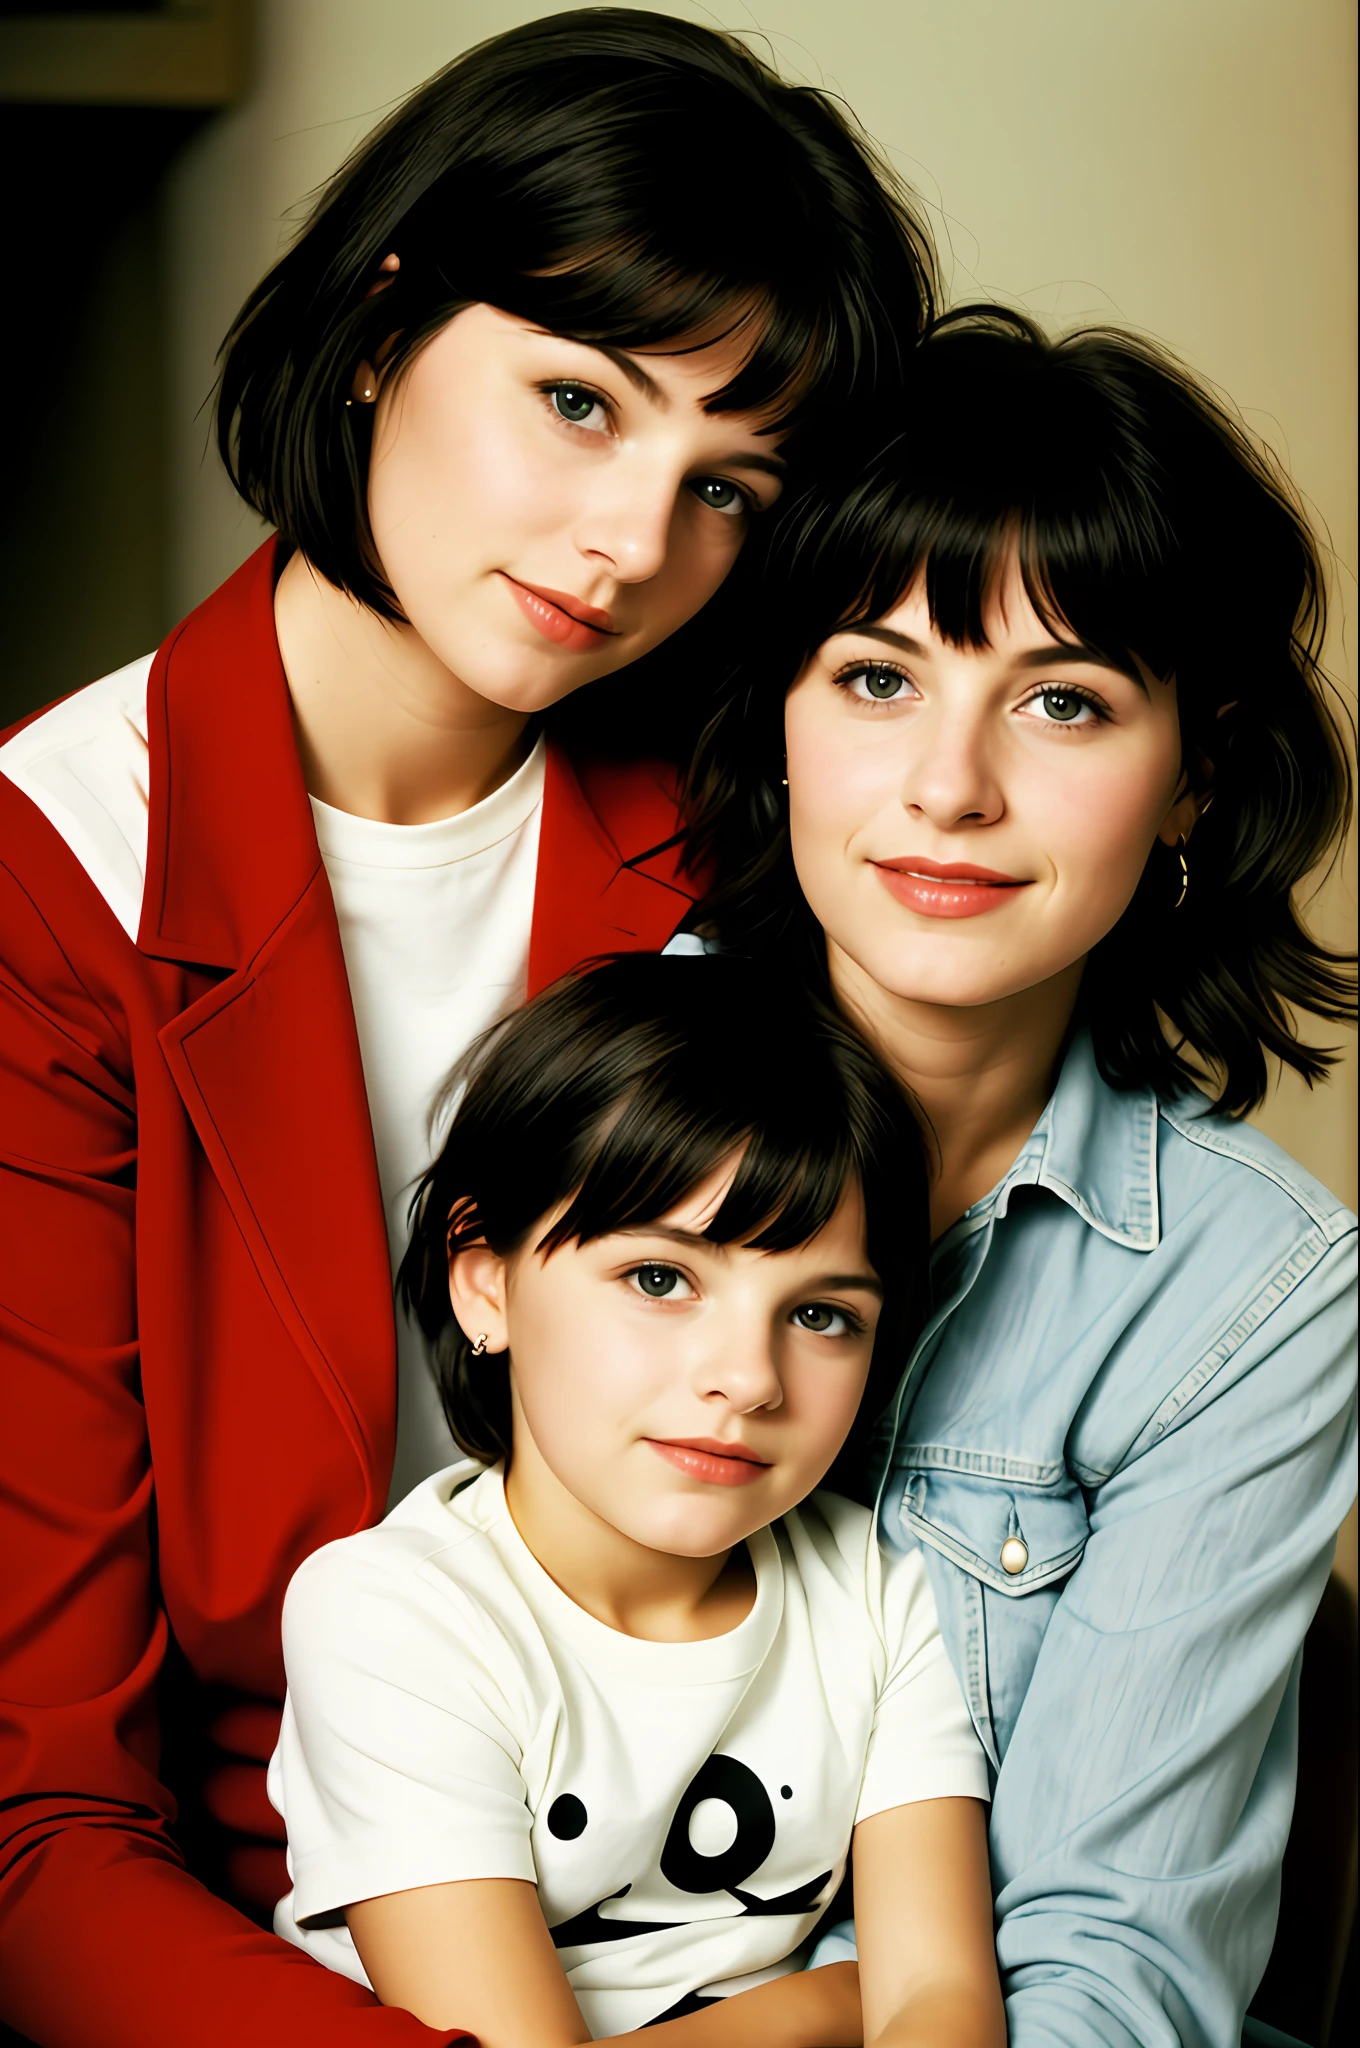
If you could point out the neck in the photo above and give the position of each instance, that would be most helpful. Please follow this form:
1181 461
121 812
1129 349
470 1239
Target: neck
981 1074
384 729
640 1592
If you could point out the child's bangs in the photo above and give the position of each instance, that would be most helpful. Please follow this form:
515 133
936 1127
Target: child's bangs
677 1130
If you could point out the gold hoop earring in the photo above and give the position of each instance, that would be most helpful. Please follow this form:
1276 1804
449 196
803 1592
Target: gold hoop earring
1185 873
479 1347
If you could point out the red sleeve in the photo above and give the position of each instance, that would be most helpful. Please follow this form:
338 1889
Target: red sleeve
105 1937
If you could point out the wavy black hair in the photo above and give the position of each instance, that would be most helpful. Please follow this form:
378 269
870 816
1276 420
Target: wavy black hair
619 177
617 1092
1149 525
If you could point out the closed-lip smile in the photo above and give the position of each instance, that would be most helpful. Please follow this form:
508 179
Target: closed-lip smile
937 888
560 616
709 1459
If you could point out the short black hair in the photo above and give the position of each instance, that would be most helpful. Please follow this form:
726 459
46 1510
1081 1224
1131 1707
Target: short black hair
620 177
618 1091
1148 524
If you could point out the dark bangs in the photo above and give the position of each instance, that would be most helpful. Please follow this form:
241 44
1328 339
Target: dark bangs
1151 529
690 1106
617 1093
621 178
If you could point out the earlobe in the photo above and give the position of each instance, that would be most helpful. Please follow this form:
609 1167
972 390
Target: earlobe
477 1290
1189 807
1180 821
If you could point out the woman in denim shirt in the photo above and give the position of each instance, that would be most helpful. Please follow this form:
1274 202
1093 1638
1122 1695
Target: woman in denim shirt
1057 756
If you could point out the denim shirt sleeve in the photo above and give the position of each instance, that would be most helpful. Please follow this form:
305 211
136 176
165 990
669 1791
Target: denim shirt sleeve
1145 1795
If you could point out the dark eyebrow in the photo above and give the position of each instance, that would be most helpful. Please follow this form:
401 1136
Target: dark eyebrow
1062 653
634 372
868 1282
1065 654
768 465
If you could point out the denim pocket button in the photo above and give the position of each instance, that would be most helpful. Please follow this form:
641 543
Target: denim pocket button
1014 1555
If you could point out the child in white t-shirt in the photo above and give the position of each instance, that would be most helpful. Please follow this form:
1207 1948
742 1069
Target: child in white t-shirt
577 1739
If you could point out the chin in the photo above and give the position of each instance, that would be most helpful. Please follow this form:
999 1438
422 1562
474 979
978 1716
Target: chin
526 683
690 1528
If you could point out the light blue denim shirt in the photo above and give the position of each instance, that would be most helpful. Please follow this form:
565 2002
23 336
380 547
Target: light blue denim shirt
1124 1444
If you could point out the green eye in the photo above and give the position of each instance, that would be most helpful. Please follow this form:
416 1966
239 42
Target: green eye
718 494
657 1281
1062 704
821 1319
573 403
880 682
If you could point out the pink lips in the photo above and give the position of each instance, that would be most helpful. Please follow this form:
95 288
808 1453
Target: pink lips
560 617
703 1457
947 888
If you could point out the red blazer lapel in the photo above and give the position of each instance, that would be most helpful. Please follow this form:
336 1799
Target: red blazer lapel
609 876
267 1063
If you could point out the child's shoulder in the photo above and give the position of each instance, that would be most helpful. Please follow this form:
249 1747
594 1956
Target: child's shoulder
432 1559
831 1545
829 1541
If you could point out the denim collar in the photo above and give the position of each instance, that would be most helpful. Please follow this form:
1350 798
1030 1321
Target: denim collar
1095 1148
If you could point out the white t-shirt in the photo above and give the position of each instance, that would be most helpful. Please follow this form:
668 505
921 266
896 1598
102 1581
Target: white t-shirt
685 1809
434 923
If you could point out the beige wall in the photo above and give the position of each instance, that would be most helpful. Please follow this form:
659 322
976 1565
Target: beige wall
1184 166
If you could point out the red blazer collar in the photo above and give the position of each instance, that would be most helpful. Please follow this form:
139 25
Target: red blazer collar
231 845
267 1060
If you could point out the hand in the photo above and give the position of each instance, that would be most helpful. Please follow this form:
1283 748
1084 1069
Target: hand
805 2009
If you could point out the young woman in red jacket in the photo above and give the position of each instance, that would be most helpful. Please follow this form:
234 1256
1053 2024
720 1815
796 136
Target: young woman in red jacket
513 401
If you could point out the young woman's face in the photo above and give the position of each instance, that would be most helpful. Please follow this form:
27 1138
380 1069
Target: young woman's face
684 1392
967 823
546 512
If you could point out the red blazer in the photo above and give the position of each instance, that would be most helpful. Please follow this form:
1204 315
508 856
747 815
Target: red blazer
197 1334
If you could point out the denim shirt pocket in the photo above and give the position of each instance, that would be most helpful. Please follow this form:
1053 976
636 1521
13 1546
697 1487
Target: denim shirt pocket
1000 1537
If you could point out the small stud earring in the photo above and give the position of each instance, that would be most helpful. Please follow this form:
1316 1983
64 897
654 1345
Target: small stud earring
479 1347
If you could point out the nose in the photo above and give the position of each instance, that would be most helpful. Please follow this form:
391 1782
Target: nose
627 522
950 777
742 1369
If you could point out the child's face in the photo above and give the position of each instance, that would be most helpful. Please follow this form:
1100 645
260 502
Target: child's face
684 1392
967 822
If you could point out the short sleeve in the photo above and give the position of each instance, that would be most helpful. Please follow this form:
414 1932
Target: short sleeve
398 1762
922 1744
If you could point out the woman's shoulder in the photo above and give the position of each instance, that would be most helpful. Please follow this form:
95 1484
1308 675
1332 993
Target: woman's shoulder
83 763
1216 1170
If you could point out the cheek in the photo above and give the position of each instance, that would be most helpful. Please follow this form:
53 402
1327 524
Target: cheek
839 781
701 551
823 1396
450 485
582 1372
1097 820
